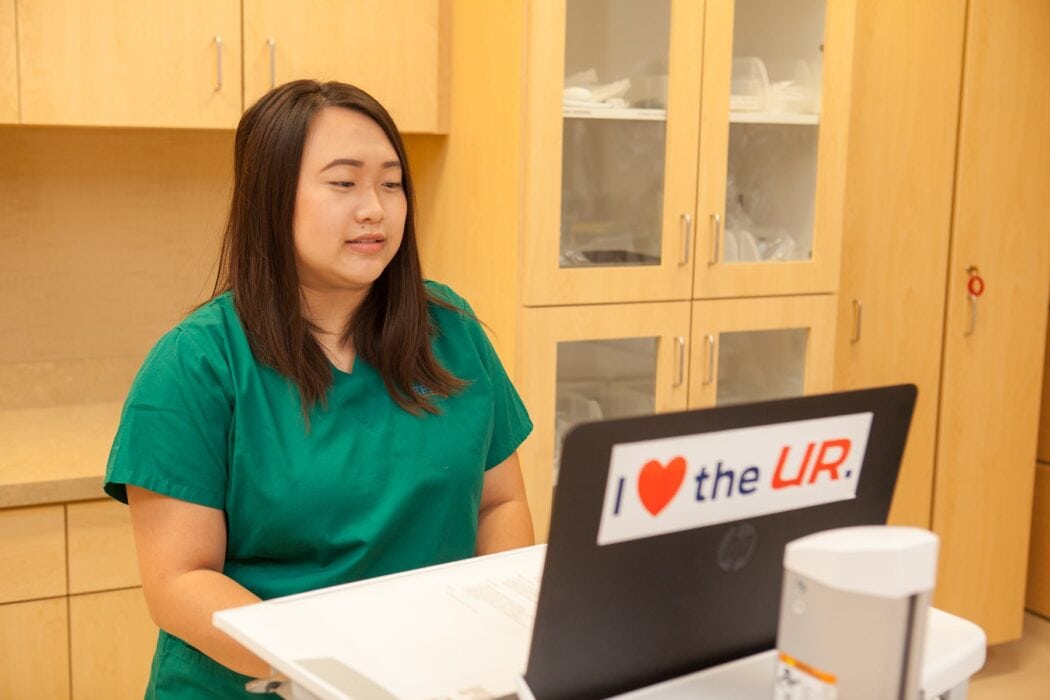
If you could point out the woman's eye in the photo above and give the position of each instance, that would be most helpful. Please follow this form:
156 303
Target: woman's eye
345 184
392 185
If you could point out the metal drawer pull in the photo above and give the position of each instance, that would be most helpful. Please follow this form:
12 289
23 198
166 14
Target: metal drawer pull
218 63
681 360
857 309
716 235
687 234
273 62
710 339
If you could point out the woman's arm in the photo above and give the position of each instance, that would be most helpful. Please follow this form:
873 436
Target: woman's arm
181 550
504 521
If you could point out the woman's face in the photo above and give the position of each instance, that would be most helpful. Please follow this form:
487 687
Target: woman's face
350 205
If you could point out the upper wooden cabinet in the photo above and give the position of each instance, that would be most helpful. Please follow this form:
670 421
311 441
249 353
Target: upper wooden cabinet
168 63
680 149
8 64
392 49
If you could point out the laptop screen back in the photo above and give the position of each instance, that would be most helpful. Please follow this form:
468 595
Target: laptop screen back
668 532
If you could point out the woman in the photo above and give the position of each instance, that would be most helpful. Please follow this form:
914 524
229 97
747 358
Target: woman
328 416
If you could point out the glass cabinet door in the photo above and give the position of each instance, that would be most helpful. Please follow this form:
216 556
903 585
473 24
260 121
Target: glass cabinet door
746 350
612 149
586 363
772 146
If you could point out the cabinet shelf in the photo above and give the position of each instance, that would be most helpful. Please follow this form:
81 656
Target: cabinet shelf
773 118
624 113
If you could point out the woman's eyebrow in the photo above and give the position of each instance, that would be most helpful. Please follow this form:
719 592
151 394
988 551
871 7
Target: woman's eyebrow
359 164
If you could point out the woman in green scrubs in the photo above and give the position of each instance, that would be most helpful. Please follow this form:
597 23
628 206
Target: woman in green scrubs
328 415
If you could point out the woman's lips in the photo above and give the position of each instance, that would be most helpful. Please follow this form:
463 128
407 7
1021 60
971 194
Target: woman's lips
367 244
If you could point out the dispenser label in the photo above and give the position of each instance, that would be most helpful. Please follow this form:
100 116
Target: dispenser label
690 481
796 680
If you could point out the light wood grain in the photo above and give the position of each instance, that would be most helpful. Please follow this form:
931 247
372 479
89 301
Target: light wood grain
55 454
821 272
1037 597
815 314
990 403
542 329
130 63
544 281
470 181
107 237
898 207
112 639
34 650
8 64
1044 413
392 49
32 553
101 547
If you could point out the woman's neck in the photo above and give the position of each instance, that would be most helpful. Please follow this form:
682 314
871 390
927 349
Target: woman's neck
330 313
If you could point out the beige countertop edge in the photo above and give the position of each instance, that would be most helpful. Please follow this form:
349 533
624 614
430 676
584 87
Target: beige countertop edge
88 488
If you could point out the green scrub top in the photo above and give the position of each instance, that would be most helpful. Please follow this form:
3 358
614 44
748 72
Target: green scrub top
369 490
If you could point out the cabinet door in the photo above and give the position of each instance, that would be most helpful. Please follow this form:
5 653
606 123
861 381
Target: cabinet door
33 544
168 63
8 64
773 146
34 650
898 218
612 114
101 547
993 344
583 363
757 349
395 50
112 639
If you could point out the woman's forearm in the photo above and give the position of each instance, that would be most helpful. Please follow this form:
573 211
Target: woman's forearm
183 606
504 526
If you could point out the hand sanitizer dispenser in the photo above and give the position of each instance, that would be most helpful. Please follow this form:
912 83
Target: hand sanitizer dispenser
853 614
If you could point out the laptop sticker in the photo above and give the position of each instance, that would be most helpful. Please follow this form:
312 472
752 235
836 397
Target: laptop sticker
692 481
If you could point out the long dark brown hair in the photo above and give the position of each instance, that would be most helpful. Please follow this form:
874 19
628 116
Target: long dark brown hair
391 330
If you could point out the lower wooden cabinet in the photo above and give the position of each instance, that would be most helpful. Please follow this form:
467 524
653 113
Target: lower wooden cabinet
1038 597
111 645
34 650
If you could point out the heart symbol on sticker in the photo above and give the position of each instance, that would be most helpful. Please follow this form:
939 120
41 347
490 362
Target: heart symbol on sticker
658 484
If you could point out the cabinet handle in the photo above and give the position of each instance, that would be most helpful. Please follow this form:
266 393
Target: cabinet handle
973 314
857 309
716 235
710 376
218 63
273 62
680 341
687 235
974 289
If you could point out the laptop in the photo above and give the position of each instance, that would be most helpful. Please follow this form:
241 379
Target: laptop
626 605
665 557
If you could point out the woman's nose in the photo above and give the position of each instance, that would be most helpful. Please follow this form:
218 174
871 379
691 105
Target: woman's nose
369 206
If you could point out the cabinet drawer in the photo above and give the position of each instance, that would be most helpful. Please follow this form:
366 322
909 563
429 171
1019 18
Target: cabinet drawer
1038 598
111 640
32 553
34 650
101 547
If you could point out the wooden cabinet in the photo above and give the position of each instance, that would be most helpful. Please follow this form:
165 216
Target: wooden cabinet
167 63
569 218
32 543
897 225
34 650
912 234
112 639
594 362
760 349
1037 597
8 64
393 50
104 633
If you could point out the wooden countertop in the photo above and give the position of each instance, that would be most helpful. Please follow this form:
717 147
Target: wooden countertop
56 454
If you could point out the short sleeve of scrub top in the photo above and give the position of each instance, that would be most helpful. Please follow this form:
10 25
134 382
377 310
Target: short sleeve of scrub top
369 489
